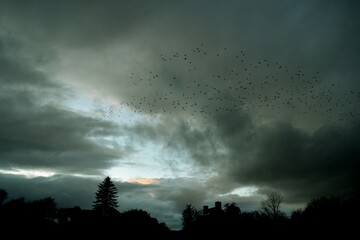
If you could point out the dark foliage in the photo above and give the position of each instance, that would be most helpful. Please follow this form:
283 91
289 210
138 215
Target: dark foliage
322 217
105 203
3 196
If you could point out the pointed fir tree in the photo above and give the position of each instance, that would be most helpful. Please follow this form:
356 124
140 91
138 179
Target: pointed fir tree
105 202
189 217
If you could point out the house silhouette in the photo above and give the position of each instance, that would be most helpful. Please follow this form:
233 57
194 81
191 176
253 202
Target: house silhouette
216 210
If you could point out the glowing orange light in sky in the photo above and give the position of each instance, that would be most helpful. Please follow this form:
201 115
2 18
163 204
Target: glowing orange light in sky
145 181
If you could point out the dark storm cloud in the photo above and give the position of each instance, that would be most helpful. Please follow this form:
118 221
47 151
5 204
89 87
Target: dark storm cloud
291 33
301 165
276 156
189 191
67 191
36 131
49 137
75 23
290 30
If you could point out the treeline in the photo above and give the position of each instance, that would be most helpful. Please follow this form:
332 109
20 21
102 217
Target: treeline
40 218
323 217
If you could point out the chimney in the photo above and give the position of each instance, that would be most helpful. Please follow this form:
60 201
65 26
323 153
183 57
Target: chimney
205 210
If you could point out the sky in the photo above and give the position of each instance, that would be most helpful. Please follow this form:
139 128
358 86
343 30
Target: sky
179 102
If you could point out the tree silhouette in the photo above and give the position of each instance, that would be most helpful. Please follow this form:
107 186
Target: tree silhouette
105 202
3 196
43 209
271 205
232 210
138 219
189 216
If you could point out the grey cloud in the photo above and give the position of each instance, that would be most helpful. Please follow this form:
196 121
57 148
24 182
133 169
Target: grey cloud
196 148
300 165
75 23
290 33
277 156
66 190
36 131
174 192
188 196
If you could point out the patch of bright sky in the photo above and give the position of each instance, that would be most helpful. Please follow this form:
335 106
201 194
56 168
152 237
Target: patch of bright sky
98 106
243 191
150 159
34 173
80 102
28 173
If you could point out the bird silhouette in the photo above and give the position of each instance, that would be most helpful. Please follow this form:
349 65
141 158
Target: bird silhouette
206 83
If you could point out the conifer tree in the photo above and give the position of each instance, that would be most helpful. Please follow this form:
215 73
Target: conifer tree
106 198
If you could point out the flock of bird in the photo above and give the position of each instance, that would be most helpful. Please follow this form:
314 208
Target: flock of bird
213 84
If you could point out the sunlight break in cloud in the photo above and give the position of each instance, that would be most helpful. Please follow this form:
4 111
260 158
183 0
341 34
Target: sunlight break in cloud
145 181
243 191
28 173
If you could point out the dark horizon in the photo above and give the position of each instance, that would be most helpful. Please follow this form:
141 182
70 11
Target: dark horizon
340 211
322 217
